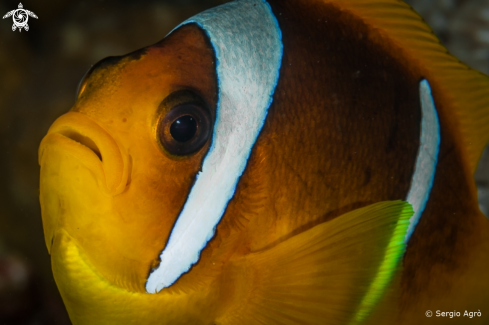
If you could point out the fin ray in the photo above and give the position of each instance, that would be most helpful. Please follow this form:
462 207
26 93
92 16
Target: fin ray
347 262
462 89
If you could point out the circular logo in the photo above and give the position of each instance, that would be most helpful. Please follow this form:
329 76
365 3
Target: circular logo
20 18
429 313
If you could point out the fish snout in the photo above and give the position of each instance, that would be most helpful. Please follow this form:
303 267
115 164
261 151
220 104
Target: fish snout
93 147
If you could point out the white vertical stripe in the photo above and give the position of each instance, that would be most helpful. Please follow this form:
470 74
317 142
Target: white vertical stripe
424 171
247 42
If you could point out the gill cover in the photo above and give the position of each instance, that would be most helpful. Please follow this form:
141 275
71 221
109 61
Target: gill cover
247 42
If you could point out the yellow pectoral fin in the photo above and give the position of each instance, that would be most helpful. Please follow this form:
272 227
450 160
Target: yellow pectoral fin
334 273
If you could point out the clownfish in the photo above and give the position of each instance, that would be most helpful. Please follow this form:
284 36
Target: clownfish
273 162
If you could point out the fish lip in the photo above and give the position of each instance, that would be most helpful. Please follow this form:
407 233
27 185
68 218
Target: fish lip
93 146
55 143
72 134
70 146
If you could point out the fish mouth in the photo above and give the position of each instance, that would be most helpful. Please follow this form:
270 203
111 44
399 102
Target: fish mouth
83 140
76 140
78 135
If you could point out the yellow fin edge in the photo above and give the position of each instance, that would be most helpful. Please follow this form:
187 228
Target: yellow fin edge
465 91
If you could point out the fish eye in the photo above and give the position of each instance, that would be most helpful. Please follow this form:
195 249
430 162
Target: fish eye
185 129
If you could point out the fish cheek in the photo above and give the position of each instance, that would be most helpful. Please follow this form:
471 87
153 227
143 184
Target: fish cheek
121 236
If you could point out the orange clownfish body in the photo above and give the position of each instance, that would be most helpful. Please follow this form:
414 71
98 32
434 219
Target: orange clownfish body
280 162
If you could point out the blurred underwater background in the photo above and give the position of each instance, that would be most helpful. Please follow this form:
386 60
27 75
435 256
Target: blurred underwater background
39 73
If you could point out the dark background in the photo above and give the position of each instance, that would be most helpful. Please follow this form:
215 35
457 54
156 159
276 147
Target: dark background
39 72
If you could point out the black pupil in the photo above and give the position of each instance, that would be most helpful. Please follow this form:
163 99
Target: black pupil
184 128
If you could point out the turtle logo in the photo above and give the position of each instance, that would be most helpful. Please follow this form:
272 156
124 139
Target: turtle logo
20 17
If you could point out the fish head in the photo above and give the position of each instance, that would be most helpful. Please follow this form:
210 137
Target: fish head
117 168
